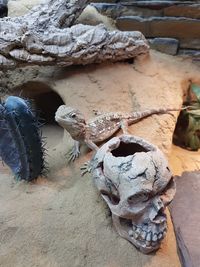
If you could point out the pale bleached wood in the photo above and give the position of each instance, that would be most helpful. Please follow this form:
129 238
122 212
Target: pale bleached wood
41 38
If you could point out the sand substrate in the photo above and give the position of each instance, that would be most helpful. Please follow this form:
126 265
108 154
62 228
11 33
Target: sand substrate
60 220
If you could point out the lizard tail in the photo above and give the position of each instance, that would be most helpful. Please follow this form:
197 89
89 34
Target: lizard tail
137 116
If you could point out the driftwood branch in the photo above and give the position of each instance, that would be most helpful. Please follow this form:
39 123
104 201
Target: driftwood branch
79 44
41 38
57 13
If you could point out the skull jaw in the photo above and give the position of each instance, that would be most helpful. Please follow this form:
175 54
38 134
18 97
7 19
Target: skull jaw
143 245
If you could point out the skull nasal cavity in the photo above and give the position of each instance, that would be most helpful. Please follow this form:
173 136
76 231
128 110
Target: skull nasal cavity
125 150
114 199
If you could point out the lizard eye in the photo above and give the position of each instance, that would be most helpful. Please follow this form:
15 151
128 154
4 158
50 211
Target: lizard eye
73 115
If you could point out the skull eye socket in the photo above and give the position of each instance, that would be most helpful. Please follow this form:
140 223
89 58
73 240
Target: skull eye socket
139 197
168 193
111 197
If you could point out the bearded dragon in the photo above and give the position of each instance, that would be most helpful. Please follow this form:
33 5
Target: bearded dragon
99 128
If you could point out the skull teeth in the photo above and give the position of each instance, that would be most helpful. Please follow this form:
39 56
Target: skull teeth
143 234
148 237
160 235
134 227
130 232
155 237
136 235
148 243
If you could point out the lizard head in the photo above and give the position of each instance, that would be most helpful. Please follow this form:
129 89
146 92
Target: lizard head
70 119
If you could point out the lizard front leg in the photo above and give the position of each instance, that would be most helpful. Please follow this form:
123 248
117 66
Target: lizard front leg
87 167
124 126
91 145
75 152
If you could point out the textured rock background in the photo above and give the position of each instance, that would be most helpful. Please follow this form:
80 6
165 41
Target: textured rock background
164 19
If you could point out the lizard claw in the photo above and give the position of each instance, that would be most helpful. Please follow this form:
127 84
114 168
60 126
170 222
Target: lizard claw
73 154
87 167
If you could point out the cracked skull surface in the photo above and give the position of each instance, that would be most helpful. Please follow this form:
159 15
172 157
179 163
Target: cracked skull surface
134 179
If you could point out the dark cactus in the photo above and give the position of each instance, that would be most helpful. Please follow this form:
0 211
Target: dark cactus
20 139
3 8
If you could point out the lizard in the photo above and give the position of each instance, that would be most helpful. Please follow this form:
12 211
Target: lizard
99 128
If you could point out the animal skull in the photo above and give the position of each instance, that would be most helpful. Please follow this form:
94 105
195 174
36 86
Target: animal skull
134 179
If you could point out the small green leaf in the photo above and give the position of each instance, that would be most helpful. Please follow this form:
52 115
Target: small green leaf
195 112
191 123
195 105
191 138
196 90
194 142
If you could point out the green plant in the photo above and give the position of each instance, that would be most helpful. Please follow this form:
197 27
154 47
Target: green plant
187 132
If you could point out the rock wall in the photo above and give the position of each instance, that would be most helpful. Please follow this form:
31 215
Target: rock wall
172 26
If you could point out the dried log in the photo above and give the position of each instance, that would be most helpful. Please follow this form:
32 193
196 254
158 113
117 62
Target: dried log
80 44
53 14
58 13
41 38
